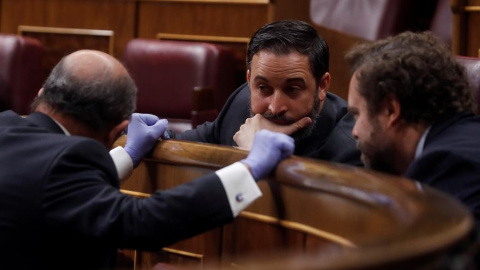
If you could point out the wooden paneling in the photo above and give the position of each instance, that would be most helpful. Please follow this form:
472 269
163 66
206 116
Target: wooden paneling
170 256
269 236
473 27
466 32
64 26
117 16
290 10
63 41
222 19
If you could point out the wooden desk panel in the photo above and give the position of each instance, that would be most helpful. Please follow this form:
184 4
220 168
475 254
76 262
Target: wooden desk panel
223 19
215 18
62 41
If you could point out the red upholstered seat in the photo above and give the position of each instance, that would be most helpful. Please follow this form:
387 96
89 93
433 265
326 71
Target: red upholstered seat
472 65
20 72
441 24
166 72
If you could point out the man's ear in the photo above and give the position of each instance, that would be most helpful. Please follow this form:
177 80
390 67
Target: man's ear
392 109
115 132
40 92
248 76
324 85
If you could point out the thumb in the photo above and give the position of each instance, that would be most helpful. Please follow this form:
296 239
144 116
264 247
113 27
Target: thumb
294 127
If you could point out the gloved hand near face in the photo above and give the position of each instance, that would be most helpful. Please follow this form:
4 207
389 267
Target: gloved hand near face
269 148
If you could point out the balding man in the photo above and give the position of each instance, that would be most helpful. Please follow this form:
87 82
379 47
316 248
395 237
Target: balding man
60 204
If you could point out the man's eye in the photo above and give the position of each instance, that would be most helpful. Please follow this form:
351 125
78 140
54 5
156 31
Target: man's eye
293 91
263 89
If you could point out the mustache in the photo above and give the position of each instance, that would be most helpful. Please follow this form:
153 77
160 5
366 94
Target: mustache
282 117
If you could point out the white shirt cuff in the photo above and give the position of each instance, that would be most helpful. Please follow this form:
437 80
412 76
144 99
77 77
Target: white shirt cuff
123 162
239 185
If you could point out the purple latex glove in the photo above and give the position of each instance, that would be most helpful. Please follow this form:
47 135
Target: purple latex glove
268 149
143 132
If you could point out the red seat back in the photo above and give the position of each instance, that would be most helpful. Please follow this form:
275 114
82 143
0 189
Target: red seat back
472 66
20 72
166 72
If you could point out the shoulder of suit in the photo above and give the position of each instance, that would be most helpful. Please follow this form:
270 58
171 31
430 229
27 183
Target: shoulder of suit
331 97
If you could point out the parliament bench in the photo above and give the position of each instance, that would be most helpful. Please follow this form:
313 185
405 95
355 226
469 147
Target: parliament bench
312 215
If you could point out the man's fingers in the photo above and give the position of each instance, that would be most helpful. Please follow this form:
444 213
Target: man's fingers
306 122
148 119
294 127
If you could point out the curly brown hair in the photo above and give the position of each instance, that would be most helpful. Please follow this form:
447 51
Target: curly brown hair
417 70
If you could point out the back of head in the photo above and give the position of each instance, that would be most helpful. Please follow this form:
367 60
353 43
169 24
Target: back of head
416 69
92 87
284 37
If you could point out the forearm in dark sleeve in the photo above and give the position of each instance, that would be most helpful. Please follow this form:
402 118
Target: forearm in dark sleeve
203 133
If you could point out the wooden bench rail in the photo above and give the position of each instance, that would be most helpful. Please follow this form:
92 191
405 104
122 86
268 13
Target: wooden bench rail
313 214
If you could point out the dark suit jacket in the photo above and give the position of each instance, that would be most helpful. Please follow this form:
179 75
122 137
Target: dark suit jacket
451 160
331 139
61 208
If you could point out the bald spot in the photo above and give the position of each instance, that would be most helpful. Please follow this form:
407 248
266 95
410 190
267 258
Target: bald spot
93 65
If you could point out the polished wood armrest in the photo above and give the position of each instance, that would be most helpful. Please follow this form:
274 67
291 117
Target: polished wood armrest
312 215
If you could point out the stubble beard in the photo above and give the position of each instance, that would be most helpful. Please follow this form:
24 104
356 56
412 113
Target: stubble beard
377 152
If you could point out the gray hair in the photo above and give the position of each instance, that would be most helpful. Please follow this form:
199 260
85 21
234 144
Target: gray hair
99 103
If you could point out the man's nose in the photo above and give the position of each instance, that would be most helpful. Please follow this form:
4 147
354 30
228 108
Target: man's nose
354 131
278 103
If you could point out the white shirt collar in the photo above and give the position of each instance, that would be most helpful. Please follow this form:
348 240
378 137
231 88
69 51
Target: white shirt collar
62 127
421 143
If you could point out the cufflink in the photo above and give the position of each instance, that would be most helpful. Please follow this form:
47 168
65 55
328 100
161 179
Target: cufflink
239 197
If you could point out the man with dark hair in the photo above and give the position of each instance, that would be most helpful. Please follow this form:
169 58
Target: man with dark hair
414 114
60 204
286 91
